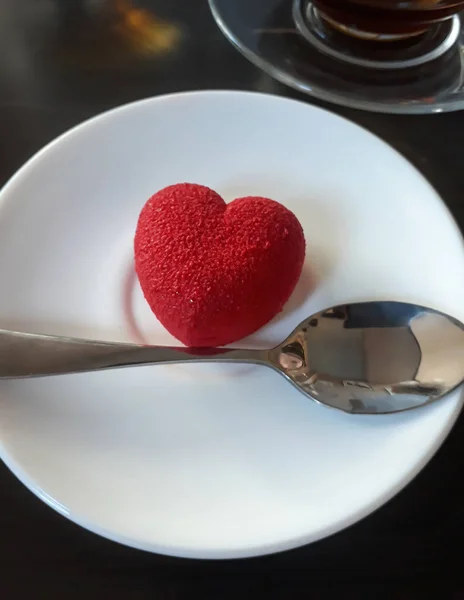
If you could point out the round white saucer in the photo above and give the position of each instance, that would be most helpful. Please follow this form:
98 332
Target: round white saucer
204 460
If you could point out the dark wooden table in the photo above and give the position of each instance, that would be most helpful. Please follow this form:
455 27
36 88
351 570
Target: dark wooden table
61 63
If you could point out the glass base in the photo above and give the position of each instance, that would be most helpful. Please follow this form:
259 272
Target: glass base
290 41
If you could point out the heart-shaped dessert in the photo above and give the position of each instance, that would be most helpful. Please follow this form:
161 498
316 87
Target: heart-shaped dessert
214 272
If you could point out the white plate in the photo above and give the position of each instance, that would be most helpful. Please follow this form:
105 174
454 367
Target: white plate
213 461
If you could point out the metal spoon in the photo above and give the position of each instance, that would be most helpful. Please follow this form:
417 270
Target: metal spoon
364 358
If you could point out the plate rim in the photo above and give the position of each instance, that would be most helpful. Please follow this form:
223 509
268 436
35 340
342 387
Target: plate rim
233 554
104 114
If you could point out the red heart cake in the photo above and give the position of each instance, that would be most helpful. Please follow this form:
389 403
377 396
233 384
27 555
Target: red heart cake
214 272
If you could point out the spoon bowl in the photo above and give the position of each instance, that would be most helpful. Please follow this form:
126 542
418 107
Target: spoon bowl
374 357
361 358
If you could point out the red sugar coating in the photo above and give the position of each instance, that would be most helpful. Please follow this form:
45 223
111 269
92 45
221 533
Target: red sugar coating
213 272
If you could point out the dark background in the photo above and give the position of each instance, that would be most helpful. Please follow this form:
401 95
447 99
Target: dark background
60 64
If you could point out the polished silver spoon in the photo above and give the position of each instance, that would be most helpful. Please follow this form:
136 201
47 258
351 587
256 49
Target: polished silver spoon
362 358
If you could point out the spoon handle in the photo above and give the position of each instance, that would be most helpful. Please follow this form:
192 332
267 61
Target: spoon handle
32 355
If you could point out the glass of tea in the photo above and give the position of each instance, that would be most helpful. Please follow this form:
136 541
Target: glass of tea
385 20
382 55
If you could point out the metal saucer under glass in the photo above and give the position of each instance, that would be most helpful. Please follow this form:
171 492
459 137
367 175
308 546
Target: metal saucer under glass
395 72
